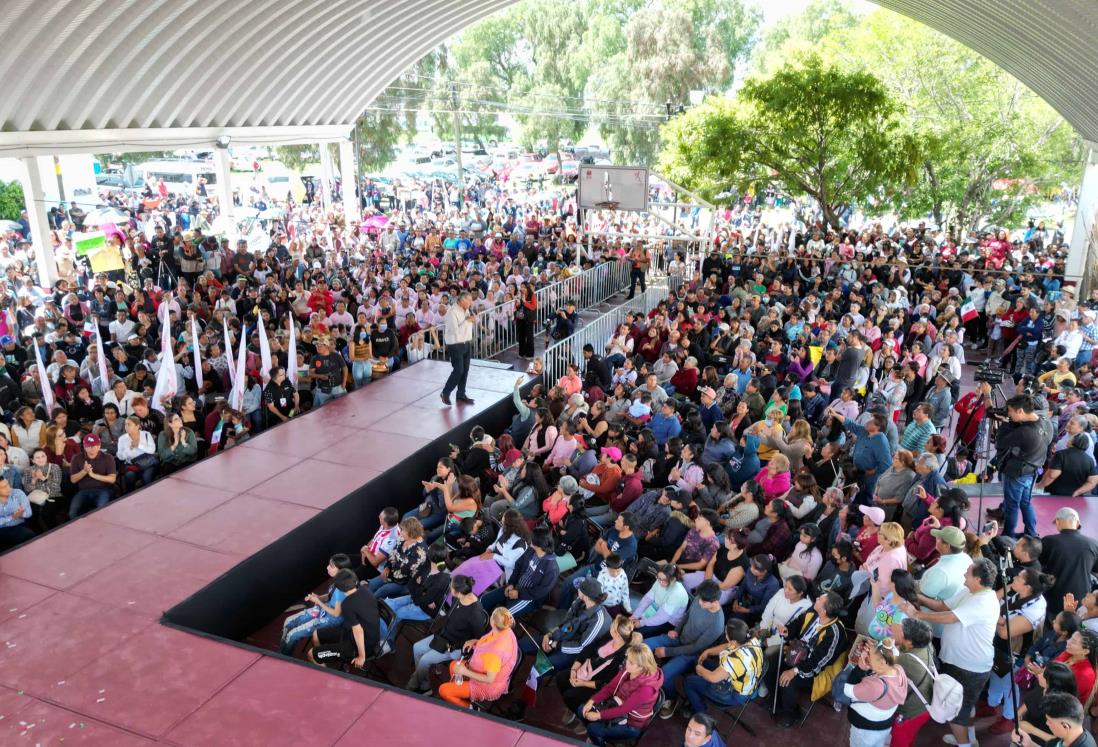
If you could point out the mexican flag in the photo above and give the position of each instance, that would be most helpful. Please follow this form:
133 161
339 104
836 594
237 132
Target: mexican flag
968 311
89 243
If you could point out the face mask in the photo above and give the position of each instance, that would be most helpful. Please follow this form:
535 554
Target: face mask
382 327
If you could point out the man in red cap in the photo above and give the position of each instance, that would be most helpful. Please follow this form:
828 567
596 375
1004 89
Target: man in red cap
94 473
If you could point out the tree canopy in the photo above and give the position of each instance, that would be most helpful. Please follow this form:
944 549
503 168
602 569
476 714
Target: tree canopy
809 129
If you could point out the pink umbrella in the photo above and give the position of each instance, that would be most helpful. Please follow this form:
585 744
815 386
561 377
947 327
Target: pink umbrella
375 221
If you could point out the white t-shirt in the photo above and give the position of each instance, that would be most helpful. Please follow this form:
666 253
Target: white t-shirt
967 643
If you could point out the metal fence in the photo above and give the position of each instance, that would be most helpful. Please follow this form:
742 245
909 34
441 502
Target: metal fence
494 329
598 332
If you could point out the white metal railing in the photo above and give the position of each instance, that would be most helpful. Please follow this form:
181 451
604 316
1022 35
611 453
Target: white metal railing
570 350
495 330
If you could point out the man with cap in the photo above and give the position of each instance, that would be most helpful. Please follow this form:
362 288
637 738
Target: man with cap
1071 556
94 473
940 399
586 622
710 411
628 490
329 372
947 576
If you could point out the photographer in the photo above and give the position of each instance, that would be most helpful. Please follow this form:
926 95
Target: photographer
1021 444
562 324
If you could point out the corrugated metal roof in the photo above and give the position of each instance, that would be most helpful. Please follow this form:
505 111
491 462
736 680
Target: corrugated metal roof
133 64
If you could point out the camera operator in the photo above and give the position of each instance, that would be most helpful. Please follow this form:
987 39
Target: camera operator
1021 445
562 324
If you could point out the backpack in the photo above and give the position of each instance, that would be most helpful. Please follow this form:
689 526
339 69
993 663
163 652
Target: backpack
945 700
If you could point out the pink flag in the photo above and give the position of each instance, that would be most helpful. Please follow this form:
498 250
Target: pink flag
197 354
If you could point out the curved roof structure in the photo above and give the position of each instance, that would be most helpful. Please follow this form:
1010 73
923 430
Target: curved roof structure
136 72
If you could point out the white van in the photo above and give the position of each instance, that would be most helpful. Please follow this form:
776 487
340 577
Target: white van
181 177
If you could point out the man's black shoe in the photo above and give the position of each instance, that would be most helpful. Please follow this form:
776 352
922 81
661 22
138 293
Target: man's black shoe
465 401
445 398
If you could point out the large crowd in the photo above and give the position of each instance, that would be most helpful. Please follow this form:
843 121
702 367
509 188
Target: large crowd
750 493
756 491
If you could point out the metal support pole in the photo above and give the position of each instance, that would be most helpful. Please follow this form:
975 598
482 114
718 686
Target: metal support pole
327 176
34 198
352 213
456 100
223 165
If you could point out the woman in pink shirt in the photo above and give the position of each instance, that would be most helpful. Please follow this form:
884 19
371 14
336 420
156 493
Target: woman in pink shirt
889 555
775 478
571 382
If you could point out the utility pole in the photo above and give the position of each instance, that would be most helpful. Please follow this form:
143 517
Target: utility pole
456 101
60 182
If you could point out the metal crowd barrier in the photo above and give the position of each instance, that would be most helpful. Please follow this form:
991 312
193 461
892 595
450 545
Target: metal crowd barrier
598 332
495 330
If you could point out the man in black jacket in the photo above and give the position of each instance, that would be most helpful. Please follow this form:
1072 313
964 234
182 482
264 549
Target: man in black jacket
535 575
597 373
1071 557
1021 445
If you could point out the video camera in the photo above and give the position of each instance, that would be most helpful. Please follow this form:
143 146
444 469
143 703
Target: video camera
990 373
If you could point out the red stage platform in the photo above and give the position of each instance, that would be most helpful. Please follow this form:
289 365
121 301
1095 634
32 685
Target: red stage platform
84 659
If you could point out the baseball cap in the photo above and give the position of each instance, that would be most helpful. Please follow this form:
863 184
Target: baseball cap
613 452
875 514
6 340
91 440
591 588
568 485
708 392
952 536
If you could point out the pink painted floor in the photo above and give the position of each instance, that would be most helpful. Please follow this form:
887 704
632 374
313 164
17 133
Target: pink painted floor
84 660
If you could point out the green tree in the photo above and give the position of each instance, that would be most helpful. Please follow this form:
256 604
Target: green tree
11 200
667 50
810 129
994 147
297 157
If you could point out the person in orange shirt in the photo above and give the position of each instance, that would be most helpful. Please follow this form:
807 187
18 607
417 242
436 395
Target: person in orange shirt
607 472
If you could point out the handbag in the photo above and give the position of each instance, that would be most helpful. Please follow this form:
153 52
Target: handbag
144 461
795 653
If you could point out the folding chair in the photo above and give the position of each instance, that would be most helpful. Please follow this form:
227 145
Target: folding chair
737 715
660 698
369 666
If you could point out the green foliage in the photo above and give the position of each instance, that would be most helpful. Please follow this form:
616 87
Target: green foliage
297 157
11 200
980 128
810 129
670 48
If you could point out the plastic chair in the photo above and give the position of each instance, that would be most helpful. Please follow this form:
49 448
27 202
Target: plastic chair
633 742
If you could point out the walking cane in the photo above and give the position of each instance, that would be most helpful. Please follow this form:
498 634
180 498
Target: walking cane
781 652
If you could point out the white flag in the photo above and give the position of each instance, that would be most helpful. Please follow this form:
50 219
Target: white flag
264 352
44 382
101 354
167 381
236 396
229 353
197 353
291 352
792 239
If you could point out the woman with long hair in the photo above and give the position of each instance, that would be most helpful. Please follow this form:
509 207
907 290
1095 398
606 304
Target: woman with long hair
630 695
778 540
498 561
588 674
806 558
525 316
177 445
1026 602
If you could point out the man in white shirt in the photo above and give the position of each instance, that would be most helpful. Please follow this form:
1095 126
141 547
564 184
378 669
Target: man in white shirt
458 333
122 326
120 397
969 619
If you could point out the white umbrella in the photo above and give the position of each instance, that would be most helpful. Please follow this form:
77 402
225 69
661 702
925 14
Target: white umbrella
99 216
10 225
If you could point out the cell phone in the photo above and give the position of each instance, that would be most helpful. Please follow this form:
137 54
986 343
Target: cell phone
989 527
